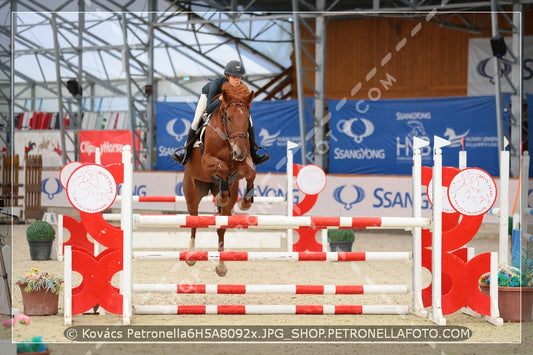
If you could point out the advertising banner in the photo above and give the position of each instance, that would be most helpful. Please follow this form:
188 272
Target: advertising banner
530 131
343 195
481 66
275 122
45 143
109 142
376 137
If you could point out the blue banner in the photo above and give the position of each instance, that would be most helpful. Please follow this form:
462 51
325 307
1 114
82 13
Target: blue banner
529 146
275 123
173 123
376 137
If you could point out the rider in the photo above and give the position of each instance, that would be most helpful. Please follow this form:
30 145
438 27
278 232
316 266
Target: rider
233 73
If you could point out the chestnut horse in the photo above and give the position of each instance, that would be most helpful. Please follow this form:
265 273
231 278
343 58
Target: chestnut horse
225 160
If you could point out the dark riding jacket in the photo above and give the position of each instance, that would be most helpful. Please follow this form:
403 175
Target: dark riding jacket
212 89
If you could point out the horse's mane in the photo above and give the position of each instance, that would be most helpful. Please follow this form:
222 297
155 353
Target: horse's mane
238 93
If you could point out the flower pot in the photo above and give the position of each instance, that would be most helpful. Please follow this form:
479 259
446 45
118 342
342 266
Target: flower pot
46 352
509 302
39 303
340 246
40 249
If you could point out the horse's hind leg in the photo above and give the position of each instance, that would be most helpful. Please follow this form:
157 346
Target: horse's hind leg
221 268
192 246
194 191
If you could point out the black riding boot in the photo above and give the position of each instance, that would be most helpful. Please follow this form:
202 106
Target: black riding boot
182 154
257 159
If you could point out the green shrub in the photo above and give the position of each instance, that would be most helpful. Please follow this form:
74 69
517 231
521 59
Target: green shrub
40 230
341 235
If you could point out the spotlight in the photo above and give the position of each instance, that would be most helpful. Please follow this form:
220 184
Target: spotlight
74 87
499 49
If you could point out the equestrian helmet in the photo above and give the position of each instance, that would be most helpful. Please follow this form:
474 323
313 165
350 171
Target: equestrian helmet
234 68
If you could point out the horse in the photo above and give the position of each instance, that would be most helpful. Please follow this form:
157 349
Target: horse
225 160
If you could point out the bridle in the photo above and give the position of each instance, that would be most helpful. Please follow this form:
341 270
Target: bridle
226 135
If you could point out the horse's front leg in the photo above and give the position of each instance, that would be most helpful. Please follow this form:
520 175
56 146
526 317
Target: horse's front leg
218 171
192 246
221 268
248 198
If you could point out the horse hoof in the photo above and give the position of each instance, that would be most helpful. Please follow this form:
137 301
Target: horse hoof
190 262
221 270
222 201
244 206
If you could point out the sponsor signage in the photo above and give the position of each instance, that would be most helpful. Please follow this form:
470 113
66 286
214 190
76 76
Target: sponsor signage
481 66
275 123
109 142
376 137
343 195
530 131
45 143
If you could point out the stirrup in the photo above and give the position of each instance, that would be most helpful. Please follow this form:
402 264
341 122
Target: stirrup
180 155
260 159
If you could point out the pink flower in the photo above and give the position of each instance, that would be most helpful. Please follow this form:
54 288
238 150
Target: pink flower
8 322
23 319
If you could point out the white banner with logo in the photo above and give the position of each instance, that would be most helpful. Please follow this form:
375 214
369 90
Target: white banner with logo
481 66
344 195
46 143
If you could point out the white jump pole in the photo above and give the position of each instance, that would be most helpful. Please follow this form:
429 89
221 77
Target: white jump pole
524 189
60 237
418 305
97 160
436 250
67 282
504 208
127 228
290 195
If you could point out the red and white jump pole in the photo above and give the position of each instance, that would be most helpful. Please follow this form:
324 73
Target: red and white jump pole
271 309
279 222
269 256
271 289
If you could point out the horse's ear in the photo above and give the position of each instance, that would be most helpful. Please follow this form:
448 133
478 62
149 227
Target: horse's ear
250 98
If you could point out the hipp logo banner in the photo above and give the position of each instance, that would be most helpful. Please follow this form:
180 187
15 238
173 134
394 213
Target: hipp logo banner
375 137
275 123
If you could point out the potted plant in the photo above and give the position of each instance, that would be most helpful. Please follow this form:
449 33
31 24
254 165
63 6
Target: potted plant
514 285
340 239
33 346
40 292
40 236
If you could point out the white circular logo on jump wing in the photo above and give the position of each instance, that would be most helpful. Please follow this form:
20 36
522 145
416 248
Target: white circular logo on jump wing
66 171
346 127
472 192
311 179
91 188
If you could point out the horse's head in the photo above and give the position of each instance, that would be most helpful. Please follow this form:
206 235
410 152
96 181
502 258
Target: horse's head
236 118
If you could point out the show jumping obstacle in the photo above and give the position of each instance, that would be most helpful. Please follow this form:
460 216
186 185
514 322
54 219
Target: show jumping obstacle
120 302
175 241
